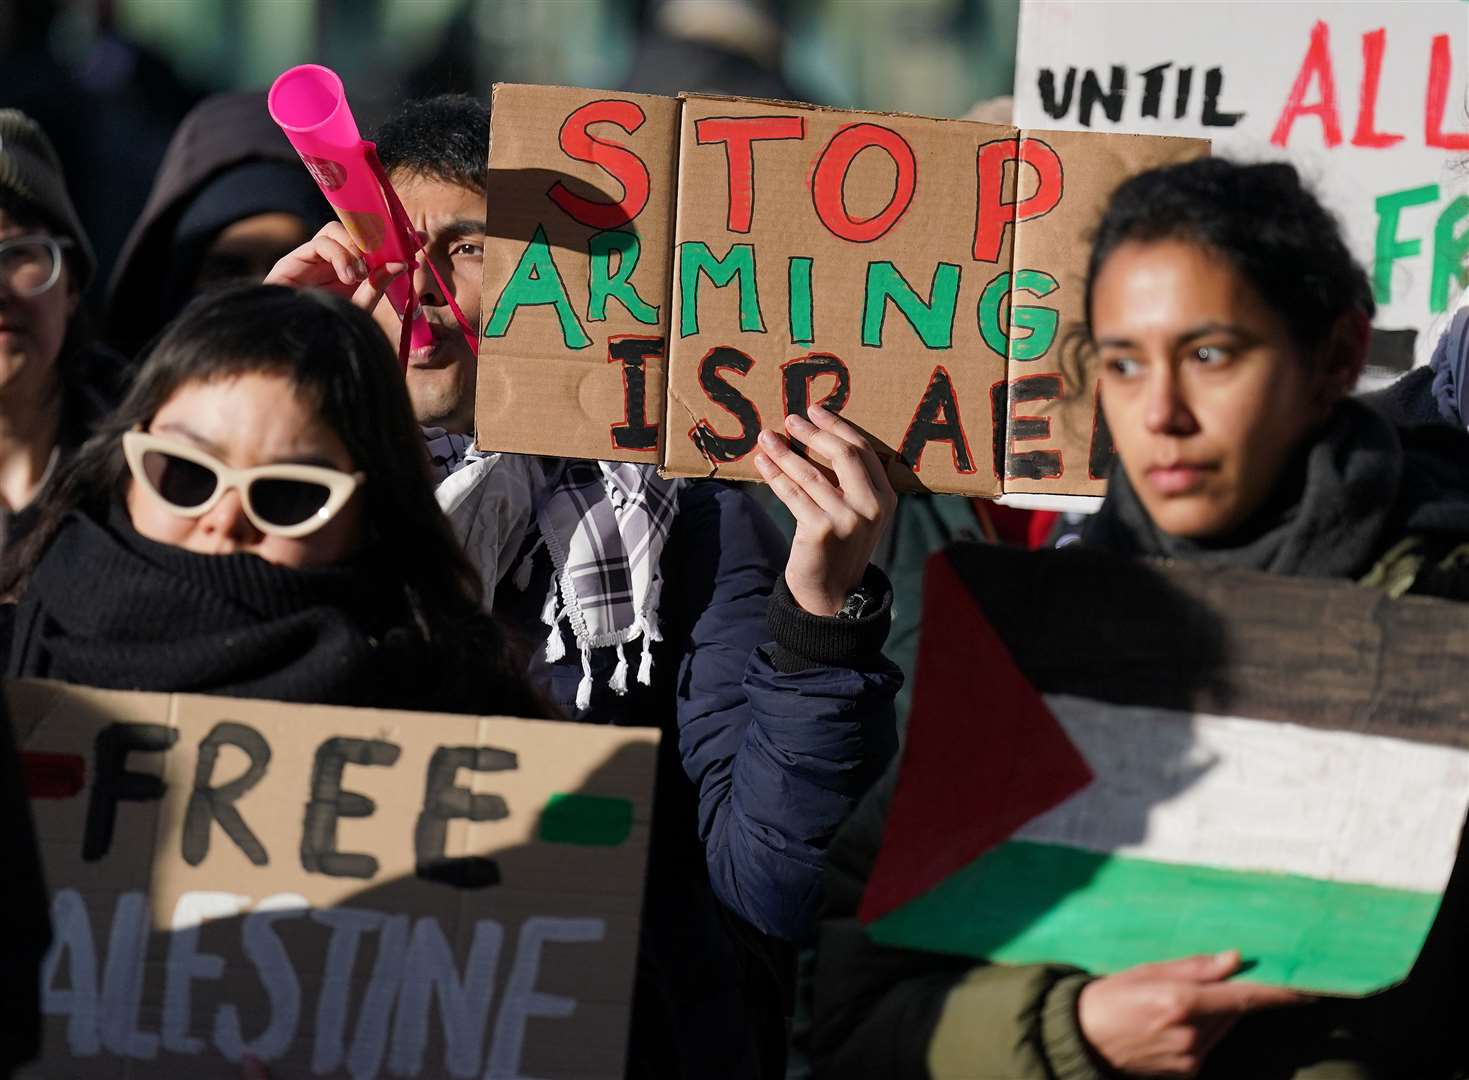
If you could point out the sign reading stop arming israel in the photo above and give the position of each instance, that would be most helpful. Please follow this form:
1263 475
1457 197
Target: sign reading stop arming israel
1243 761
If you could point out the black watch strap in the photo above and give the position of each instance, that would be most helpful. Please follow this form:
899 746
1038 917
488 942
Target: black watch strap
859 603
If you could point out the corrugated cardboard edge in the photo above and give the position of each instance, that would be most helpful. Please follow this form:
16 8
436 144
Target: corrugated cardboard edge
654 409
673 402
696 95
1073 397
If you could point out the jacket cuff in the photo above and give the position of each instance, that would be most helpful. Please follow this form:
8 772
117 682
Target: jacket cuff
1069 1054
1012 1021
803 640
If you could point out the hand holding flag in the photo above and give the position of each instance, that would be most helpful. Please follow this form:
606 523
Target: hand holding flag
1163 1019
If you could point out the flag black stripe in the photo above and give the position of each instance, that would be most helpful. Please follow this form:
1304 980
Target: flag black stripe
1326 654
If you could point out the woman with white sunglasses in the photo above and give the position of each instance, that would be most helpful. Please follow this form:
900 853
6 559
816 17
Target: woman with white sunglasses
55 384
257 519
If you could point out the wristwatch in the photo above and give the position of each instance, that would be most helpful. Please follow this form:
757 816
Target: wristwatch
859 603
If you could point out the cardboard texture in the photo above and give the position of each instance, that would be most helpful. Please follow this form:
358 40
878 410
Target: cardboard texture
1056 441
368 893
576 273
855 281
915 274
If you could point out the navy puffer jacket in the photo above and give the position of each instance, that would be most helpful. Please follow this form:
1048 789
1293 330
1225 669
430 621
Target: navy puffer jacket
766 750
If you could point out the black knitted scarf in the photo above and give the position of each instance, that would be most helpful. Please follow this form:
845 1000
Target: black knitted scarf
107 608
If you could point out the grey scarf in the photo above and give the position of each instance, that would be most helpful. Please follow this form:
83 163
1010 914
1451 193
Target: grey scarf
1335 508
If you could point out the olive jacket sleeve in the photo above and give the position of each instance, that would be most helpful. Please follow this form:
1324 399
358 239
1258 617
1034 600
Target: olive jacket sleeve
896 1013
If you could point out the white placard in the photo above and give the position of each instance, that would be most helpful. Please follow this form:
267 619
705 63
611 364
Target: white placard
1368 99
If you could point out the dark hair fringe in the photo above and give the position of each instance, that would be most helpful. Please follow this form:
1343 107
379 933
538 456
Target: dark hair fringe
446 138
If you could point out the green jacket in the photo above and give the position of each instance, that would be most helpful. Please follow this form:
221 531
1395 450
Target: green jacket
896 1014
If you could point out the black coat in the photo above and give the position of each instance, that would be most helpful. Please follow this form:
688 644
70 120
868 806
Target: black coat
155 270
23 910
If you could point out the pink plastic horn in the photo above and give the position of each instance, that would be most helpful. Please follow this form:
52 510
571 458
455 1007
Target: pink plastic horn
310 106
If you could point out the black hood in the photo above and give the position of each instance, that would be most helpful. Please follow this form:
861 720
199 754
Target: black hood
227 161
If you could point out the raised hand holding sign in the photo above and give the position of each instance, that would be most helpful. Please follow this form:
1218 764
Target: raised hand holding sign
840 514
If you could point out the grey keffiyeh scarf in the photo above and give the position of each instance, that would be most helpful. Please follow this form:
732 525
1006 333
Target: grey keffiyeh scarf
604 525
447 452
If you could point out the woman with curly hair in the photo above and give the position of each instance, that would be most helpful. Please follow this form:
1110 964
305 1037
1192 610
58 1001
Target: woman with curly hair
1229 323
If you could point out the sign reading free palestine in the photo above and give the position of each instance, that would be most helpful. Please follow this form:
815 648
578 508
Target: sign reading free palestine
339 892
1367 99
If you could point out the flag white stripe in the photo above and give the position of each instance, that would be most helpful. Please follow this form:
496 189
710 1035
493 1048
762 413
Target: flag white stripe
1246 794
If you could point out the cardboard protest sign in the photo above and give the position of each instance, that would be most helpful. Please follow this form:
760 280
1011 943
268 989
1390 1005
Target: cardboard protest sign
826 256
870 262
1214 772
1055 440
1368 99
576 272
343 892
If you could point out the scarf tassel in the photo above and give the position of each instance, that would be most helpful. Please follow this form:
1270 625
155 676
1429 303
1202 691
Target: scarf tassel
618 683
555 644
584 688
645 666
648 630
585 539
649 622
521 580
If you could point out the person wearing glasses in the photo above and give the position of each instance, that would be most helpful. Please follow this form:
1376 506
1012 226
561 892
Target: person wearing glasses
257 519
54 383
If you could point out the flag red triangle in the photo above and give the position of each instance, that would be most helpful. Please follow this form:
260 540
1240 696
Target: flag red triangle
983 753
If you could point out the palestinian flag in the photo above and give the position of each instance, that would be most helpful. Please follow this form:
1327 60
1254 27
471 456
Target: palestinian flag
1110 763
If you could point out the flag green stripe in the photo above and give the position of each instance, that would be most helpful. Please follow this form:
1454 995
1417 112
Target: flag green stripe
1027 903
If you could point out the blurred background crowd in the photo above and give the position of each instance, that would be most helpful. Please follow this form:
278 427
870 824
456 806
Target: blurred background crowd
110 80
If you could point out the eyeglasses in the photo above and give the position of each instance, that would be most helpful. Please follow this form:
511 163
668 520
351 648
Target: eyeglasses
29 265
281 500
